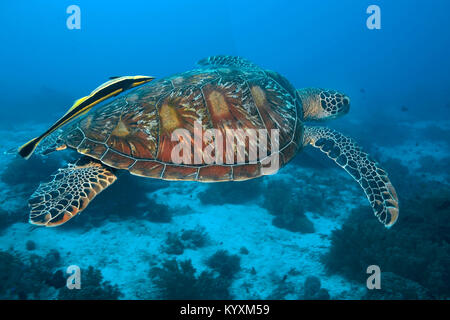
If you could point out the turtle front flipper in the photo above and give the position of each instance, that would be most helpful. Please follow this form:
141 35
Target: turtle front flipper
374 180
69 192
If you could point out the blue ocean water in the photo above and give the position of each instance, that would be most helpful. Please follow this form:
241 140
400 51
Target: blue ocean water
307 232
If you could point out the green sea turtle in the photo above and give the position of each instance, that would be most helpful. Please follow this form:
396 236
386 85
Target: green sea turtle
135 132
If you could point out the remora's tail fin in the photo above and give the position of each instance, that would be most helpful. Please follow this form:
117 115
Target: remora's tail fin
28 148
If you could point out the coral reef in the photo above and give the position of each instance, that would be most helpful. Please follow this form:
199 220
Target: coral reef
30 245
22 177
52 258
417 248
33 277
395 287
178 280
279 193
188 239
282 290
26 277
92 288
157 212
7 218
10 276
285 287
400 177
293 219
173 244
312 289
287 208
25 175
243 250
195 238
226 264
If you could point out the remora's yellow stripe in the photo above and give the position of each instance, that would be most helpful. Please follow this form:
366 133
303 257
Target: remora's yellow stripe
77 103
89 106
135 84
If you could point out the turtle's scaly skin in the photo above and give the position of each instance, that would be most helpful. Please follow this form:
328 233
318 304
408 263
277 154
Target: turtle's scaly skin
134 131
370 176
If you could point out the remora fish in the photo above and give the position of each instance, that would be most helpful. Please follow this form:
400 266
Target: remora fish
107 90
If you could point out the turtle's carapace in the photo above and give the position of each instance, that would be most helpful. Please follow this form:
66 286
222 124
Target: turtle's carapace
107 90
230 95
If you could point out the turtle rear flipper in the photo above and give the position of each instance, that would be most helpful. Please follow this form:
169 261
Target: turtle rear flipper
69 192
348 155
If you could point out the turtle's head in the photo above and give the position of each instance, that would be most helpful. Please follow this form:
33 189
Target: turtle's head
322 104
